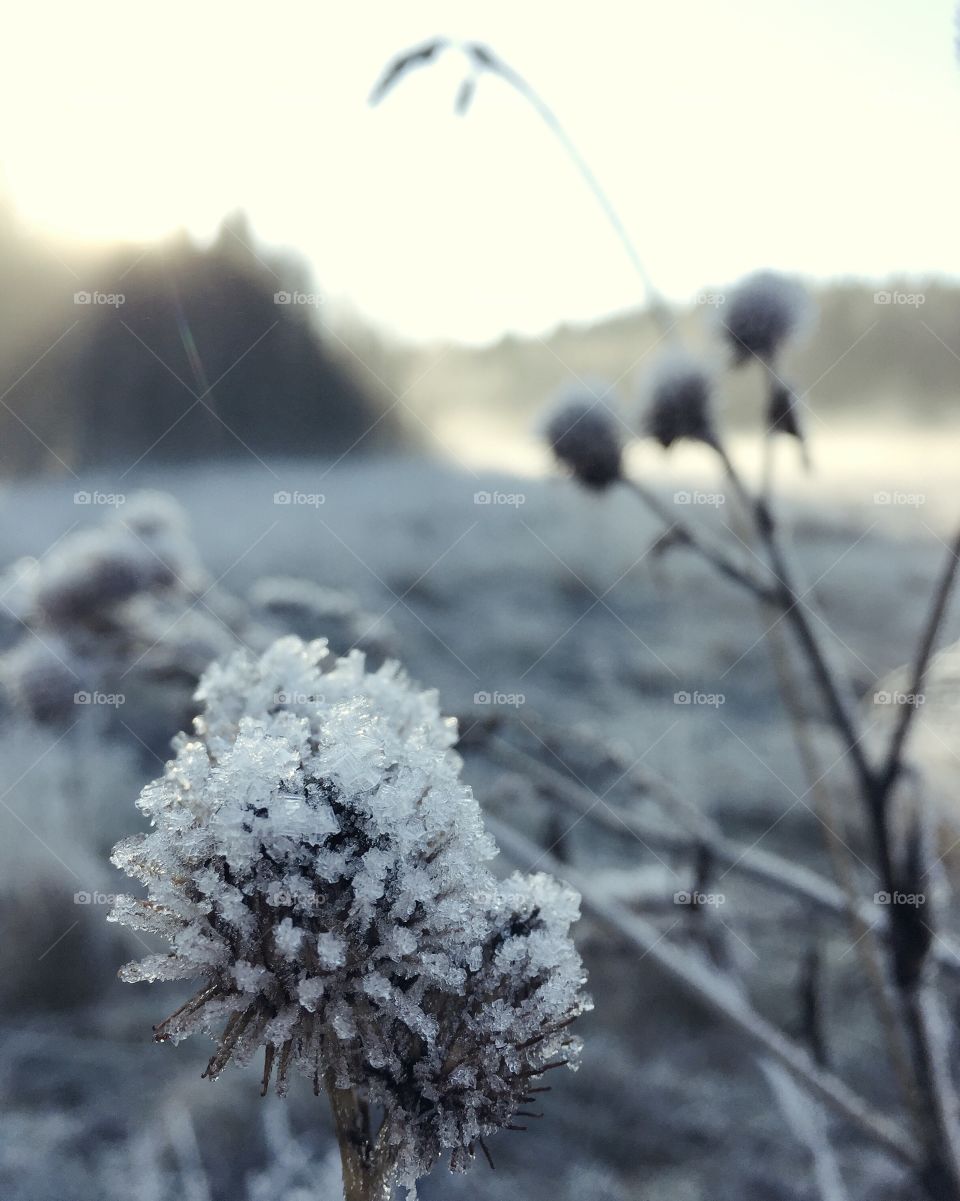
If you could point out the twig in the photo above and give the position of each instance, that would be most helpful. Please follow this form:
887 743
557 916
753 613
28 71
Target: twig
482 58
935 1096
894 759
717 995
688 536
863 937
806 1122
761 866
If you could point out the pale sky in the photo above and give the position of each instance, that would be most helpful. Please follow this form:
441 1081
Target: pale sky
819 137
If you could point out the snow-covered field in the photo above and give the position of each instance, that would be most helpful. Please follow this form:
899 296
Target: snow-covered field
516 593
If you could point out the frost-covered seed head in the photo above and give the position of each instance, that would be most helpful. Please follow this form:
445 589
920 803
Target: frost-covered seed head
762 313
42 678
145 547
317 862
677 400
584 435
93 575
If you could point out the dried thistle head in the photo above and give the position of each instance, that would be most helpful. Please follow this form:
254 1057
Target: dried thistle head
145 547
764 311
93 575
585 436
677 399
318 864
41 678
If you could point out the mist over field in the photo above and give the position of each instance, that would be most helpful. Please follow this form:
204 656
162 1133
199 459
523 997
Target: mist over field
640 467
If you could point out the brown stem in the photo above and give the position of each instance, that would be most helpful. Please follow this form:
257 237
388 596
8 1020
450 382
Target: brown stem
367 1167
863 935
936 1097
762 866
938 608
686 535
715 993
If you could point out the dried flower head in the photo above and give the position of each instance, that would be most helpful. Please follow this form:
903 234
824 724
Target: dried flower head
41 678
93 574
677 399
762 313
145 547
317 862
584 435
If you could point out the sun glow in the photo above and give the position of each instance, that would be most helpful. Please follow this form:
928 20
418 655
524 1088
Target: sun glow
129 124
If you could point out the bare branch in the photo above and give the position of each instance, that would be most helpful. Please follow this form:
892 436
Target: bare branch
688 536
718 995
921 662
781 875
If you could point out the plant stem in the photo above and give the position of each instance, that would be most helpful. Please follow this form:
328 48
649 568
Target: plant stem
716 994
689 537
763 867
894 760
657 306
935 1096
864 939
367 1168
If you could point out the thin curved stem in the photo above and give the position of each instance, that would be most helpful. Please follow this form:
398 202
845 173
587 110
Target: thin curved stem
655 301
938 609
686 535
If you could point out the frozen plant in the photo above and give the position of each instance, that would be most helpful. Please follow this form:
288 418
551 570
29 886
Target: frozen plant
762 314
316 861
677 400
584 435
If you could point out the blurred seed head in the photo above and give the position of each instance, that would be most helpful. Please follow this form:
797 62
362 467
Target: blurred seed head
677 400
763 313
585 436
783 415
92 575
41 679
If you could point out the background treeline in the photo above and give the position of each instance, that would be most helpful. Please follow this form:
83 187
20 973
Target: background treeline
895 360
198 361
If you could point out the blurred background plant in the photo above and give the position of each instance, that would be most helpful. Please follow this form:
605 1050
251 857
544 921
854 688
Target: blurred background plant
208 439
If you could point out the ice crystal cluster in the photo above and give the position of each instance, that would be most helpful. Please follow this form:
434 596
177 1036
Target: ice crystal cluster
762 313
585 437
316 861
677 400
